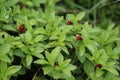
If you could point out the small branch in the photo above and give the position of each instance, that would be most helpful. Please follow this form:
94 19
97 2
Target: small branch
36 73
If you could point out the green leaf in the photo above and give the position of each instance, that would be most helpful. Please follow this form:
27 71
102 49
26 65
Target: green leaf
49 58
99 78
4 77
82 58
66 28
112 70
3 67
62 38
99 73
87 26
110 64
116 51
37 2
4 58
4 48
91 47
85 36
29 60
10 3
39 55
25 49
27 24
43 1
39 31
28 36
111 40
47 69
111 76
3 12
69 44
92 75
82 49
57 74
1 40
9 27
118 43
49 16
115 31
53 37
65 50
33 22
23 61
31 48
88 67
110 27
64 63
16 10
58 21
22 71
67 72
41 61
55 52
70 67
60 58
79 16
97 54
29 3
19 53
41 20
106 36
70 17
72 78
12 70
103 57
39 49
38 38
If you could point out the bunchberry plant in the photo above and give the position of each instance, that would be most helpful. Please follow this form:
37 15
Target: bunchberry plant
35 41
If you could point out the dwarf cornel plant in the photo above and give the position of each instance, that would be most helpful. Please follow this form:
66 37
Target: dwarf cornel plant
60 47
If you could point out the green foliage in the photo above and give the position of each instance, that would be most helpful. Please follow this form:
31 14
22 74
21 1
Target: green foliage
61 47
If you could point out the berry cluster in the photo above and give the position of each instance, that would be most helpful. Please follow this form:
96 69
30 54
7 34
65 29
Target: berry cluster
69 23
98 66
78 37
21 28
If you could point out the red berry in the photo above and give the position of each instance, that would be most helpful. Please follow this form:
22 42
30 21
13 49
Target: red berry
69 23
78 37
21 28
98 66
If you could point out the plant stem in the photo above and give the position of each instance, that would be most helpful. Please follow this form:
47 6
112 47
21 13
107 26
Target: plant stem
36 73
